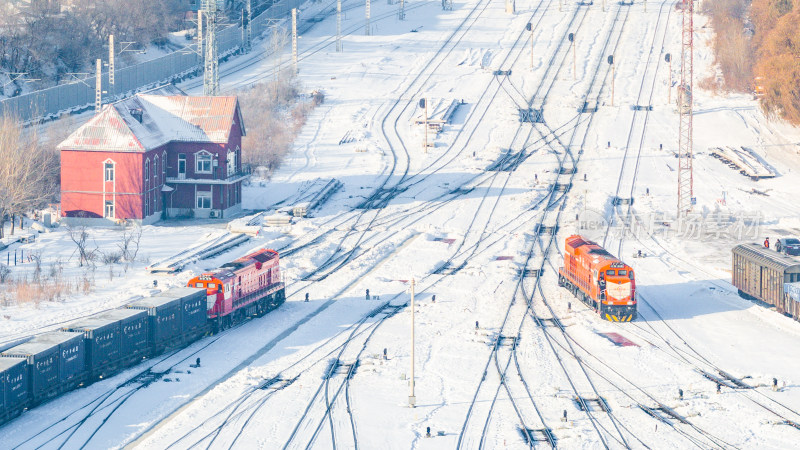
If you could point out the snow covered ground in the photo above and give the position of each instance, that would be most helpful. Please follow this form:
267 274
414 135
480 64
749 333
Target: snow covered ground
315 374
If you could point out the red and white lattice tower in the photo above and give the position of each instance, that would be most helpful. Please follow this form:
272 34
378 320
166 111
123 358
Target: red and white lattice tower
685 100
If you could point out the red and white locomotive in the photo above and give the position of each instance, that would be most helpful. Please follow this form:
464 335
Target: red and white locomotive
246 287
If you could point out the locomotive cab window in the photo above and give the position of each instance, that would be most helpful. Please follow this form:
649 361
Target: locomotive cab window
212 286
199 285
623 273
610 272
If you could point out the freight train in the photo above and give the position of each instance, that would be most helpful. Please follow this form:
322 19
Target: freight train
766 275
100 346
599 279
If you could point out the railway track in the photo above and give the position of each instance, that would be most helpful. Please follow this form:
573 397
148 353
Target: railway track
555 204
687 356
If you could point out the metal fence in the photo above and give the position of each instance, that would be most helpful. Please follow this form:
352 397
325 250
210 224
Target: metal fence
176 66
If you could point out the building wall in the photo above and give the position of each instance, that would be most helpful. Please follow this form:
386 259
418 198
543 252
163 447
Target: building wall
84 191
138 195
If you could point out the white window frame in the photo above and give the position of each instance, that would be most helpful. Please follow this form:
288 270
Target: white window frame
231 162
109 170
203 195
206 157
106 205
164 167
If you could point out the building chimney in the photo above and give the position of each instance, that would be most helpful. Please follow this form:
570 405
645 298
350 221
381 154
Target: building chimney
137 114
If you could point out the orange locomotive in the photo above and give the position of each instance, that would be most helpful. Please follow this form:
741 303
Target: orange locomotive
598 279
248 286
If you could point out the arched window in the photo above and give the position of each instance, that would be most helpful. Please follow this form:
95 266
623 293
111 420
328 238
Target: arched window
231 162
164 167
202 162
108 170
155 170
146 187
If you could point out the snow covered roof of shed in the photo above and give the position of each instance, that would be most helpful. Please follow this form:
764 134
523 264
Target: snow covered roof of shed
151 119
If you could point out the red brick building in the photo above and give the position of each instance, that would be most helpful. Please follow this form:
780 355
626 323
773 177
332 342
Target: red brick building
155 155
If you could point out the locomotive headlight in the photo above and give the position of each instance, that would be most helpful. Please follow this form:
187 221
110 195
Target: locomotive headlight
630 303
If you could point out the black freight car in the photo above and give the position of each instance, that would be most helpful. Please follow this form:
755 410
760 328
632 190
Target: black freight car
133 325
13 387
194 320
164 322
102 339
56 363
761 273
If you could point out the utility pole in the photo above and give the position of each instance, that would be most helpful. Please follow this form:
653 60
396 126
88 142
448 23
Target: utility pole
529 27
412 399
111 62
294 39
685 93
98 86
200 34
511 6
210 61
401 15
338 25
247 31
366 22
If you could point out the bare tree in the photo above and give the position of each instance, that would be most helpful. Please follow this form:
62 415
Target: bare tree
129 242
28 171
79 236
5 273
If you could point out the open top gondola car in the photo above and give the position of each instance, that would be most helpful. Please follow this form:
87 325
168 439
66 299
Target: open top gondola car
599 279
246 287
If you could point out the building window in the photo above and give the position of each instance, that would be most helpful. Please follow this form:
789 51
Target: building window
202 162
203 200
231 163
155 171
109 171
147 204
164 167
181 165
109 209
147 170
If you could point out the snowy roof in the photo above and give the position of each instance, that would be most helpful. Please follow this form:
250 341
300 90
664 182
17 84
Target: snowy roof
9 362
151 119
768 257
42 343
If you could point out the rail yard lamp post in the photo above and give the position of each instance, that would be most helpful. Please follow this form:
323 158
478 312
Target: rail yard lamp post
412 399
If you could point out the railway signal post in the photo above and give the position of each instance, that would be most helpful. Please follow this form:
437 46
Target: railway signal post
668 59
529 27
611 63
423 103
412 399
571 38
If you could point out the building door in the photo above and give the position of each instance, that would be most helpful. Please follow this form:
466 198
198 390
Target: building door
182 166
